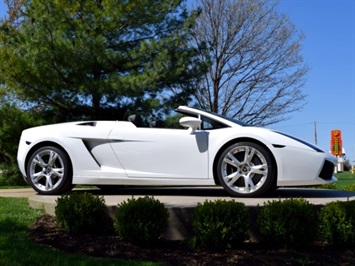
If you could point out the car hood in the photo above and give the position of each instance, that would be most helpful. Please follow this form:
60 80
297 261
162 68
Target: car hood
279 139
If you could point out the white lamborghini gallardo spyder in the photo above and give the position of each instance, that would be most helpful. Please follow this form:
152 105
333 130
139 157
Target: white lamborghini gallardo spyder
213 150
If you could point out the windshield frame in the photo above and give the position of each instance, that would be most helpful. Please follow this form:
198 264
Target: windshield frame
210 115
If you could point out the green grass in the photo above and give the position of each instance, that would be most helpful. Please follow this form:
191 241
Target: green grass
344 179
16 248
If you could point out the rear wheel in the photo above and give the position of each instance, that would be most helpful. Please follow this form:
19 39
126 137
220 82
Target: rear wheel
49 171
246 169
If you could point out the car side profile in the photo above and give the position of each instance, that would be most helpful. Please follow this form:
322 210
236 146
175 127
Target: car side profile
208 150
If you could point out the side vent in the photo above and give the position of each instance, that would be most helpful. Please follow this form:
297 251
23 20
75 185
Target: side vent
90 124
89 146
278 146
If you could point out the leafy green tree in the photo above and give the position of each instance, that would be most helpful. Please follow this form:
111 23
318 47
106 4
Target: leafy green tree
98 59
13 121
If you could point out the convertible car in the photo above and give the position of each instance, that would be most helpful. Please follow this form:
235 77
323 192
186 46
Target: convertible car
209 149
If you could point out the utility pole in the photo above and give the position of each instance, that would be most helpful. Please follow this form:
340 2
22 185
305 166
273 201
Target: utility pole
315 133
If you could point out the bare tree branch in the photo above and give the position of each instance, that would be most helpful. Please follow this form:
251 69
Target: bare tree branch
13 10
256 72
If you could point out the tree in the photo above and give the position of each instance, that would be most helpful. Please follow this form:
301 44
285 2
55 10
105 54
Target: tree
13 121
256 71
98 59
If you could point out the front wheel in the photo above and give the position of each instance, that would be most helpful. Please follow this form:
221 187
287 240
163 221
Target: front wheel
246 169
49 171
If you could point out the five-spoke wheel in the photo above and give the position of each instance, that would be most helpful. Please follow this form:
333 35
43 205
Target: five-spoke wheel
246 169
49 171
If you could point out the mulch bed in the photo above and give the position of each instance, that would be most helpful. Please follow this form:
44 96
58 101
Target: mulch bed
168 252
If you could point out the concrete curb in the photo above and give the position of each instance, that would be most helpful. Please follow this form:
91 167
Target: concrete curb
182 201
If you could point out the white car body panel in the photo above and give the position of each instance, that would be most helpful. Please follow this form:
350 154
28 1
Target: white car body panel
118 152
303 158
161 153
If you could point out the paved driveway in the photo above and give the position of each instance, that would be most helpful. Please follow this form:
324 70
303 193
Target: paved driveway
190 196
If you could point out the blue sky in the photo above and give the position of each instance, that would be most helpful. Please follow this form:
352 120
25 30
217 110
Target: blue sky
329 49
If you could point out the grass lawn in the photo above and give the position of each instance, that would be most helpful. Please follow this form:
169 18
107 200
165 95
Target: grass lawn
344 179
17 249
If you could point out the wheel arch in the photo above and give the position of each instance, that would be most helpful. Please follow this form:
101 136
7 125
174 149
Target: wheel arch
233 141
43 144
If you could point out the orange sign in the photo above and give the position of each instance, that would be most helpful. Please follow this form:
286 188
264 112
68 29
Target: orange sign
336 142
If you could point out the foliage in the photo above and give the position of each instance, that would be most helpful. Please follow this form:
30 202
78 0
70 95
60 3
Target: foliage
17 248
345 178
99 59
221 223
347 164
289 223
329 186
82 213
350 187
173 121
141 221
13 121
337 223
256 71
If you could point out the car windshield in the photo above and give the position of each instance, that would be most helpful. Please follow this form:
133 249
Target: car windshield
221 116
228 118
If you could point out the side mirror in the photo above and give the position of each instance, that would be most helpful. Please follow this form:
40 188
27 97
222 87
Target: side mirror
192 123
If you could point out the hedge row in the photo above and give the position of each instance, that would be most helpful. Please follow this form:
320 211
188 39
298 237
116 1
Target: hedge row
289 223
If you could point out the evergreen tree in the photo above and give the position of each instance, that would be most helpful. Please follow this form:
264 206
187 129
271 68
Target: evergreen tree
98 59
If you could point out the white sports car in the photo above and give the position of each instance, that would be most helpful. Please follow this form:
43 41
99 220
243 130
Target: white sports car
213 150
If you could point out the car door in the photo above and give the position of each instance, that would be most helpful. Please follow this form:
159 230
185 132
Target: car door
161 153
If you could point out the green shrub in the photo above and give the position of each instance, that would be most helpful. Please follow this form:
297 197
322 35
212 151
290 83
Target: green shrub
290 223
13 121
221 223
141 221
82 213
337 223
350 187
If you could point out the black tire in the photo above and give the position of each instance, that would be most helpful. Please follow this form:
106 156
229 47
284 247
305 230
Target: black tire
49 171
246 169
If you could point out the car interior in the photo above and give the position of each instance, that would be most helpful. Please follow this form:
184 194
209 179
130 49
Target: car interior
138 121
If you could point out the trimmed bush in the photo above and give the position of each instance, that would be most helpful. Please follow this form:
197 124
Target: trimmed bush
290 223
141 221
337 223
82 213
221 223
